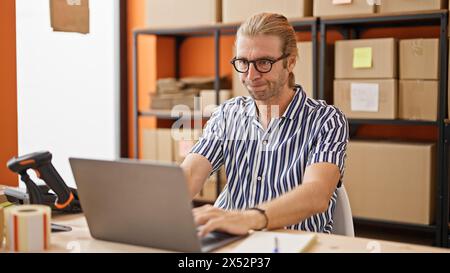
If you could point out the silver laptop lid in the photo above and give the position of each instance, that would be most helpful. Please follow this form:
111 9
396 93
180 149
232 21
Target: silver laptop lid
136 202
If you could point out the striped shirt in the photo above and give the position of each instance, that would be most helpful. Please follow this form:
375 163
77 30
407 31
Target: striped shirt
265 164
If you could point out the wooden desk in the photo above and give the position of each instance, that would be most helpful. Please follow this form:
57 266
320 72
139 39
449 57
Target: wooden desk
79 240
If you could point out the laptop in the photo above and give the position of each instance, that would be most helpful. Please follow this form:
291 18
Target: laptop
140 203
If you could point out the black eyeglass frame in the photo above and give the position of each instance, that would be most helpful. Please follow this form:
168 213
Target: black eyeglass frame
272 62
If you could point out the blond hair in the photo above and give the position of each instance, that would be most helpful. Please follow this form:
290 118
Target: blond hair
275 25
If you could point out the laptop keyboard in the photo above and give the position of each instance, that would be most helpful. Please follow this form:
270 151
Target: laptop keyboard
216 237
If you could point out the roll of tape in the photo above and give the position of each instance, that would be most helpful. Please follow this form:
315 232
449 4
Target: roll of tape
28 228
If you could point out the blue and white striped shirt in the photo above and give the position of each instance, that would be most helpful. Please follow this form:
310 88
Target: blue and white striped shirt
265 164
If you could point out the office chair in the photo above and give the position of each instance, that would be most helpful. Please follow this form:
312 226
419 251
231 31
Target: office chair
342 218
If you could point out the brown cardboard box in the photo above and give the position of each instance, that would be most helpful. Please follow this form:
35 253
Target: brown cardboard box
330 8
70 16
367 99
418 100
149 144
411 5
303 70
419 59
379 63
157 145
208 100
238 11
165 146
391 181
181 13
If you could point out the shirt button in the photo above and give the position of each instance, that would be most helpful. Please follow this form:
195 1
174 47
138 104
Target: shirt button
259 178
265 142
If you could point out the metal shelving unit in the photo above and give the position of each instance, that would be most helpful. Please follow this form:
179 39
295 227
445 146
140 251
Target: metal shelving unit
215 31
351 28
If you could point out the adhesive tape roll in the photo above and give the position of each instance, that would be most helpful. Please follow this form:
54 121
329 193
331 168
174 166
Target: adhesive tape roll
28 228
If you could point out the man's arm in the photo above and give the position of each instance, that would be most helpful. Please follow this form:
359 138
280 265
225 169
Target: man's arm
310 198
197 170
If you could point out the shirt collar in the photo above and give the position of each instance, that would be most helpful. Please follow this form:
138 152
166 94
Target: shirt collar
296 104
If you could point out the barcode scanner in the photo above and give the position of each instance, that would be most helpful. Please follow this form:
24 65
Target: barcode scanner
64 200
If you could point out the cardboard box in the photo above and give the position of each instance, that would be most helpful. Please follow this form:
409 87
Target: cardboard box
366 59
165 146
391 181
303 70
418 100
149 144
419 59
158 145
235 11
411 5
180 13
208 100
333 7
70 16
367 99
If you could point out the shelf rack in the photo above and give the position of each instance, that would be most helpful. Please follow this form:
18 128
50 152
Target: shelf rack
351 28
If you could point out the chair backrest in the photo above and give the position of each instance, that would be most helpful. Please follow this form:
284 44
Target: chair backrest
342 218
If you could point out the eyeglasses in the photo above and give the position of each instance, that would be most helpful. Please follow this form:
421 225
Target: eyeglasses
262 65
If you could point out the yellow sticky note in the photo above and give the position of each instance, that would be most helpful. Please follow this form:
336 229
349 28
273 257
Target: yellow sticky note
362 57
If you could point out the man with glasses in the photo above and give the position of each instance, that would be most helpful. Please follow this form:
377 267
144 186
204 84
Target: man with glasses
283 151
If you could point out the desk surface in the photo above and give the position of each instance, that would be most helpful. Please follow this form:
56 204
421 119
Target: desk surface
80 240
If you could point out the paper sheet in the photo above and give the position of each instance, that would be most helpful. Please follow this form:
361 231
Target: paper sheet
365 97
264 242
362 57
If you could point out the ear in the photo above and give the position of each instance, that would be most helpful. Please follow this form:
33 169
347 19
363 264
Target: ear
292 60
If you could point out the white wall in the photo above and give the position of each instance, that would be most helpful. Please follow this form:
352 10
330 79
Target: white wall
68 85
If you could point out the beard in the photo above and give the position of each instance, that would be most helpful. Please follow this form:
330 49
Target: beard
265 90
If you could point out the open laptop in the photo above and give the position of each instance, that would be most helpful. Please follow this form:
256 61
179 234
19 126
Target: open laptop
140 203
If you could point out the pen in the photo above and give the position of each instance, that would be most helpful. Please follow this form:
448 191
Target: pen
275 248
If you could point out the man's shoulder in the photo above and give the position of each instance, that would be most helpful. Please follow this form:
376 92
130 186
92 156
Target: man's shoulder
321 108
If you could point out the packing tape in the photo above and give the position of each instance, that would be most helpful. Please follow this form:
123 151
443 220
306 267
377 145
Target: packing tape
27 228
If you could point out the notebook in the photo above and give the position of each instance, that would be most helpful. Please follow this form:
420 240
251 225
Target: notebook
270 242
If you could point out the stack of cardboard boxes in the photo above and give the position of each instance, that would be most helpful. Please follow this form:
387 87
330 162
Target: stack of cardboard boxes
419 79
171 92
365 85
396 182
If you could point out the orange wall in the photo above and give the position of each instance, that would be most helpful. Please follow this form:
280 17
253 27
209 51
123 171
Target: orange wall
8 101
